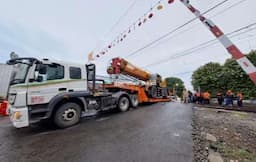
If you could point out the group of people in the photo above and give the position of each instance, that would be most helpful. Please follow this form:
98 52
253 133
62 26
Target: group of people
204 98
228 98
201 98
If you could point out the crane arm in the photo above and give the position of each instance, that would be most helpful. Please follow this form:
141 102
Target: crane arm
240 58
121 66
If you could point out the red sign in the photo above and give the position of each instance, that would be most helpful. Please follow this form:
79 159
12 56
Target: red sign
37 99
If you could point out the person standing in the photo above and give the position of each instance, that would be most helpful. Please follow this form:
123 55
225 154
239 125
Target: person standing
201 97
220 98
185 96
197 96
206 97
194 98
239 99
229 98
190 97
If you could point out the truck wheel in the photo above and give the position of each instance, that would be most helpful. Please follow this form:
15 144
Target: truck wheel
67 115
135 101
123 104
153 92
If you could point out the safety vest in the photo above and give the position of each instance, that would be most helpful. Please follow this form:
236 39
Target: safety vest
206 95
240 96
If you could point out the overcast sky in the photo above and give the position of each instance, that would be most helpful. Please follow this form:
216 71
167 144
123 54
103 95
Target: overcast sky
69 30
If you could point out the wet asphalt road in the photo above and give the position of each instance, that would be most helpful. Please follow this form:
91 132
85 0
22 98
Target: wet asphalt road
153 133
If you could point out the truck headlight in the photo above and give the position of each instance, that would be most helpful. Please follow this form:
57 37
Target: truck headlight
17 115
11 98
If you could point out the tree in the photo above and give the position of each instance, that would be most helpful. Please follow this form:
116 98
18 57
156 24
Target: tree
236 79
176 85
213 77
207 78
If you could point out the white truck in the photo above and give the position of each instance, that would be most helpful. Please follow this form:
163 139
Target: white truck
59 91
5 76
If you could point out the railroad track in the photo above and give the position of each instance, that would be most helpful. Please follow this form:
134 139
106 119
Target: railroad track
245 108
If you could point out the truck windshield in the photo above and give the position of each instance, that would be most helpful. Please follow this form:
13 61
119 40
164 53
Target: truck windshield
19 73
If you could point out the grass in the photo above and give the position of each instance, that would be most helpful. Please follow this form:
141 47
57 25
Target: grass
239 115
240 154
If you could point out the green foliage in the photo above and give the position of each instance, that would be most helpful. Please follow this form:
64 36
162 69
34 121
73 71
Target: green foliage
213 77
176 84
207 77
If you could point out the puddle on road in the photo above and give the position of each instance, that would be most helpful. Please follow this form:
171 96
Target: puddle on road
102 119
176 134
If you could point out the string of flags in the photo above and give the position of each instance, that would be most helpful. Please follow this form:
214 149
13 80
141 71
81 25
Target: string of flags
122 36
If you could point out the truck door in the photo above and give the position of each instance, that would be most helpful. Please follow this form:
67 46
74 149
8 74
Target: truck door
77 76
50 81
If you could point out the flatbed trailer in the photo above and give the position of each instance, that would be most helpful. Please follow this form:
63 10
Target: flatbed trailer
136 89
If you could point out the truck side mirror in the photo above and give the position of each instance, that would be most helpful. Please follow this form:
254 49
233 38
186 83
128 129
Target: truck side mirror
39 72
38 78
91 72
36 75
42 69
91 75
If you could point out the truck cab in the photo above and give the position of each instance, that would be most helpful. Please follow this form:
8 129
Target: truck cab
57 91
35 83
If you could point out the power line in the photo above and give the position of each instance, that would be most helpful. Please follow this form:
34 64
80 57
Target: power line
186 30
192 50
183 73
118 20
121 17
174 30
191 71
228 8
133 25
202 45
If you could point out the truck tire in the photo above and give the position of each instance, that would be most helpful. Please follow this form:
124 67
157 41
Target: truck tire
123 103
67 115
135 101
153 92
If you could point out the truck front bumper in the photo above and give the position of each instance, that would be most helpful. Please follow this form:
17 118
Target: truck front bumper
19 116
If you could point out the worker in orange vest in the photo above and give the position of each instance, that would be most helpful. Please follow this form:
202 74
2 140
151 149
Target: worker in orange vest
206 97
239 99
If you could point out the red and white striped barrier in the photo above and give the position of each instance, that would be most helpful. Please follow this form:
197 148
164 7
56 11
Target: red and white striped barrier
240 58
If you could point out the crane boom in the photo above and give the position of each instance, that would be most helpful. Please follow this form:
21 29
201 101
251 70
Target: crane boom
240 58
121 66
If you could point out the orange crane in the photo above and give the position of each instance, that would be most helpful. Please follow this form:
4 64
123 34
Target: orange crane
153 89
